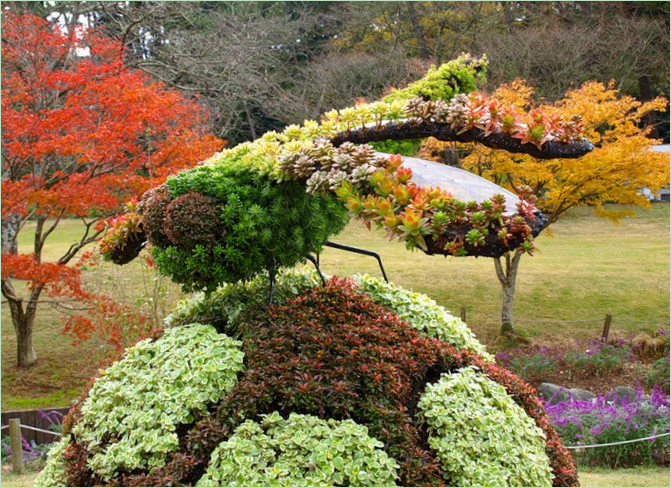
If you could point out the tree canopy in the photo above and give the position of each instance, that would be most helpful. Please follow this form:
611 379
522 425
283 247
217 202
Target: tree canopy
620 167
81 134
263 65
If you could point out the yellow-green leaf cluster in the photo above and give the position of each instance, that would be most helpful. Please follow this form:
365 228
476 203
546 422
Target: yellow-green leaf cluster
616 171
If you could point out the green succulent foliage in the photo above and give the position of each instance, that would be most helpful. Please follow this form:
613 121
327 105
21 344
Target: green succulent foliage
422 313
482 437
462 75
302 450
129 419
406 147
53 473
224 307
266 226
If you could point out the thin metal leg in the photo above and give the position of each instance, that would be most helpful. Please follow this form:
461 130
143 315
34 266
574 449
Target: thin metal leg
272 273
358 250
316 263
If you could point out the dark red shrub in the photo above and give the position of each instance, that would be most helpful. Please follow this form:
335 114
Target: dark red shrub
193 219
152 209
334 353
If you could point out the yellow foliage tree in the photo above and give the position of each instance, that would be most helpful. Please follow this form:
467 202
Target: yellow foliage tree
616 171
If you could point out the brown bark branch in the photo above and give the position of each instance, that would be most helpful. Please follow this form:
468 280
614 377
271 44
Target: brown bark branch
413 129
84 241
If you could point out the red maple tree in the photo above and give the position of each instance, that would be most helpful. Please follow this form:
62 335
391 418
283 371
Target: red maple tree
81 134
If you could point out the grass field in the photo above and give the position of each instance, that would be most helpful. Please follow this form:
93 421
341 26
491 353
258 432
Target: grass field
639 477
590 268
642 476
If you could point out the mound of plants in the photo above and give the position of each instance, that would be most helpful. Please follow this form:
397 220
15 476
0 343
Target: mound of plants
329 386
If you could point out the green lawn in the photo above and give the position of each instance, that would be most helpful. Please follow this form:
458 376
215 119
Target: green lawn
587 269
643 477
590 268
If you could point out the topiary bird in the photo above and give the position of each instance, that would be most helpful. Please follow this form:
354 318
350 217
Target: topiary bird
270 203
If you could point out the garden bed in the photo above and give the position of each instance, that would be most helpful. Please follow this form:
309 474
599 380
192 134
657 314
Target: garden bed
593 365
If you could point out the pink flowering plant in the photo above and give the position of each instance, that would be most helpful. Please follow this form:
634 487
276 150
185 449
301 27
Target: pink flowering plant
610 419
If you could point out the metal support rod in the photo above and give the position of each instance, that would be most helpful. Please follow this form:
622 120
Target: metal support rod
358 250
272 273
315 261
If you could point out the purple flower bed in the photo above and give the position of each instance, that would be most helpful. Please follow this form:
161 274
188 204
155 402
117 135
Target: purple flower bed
608 419
536 363
599 357
659 372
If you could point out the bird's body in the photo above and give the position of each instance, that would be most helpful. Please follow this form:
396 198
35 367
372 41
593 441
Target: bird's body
268 203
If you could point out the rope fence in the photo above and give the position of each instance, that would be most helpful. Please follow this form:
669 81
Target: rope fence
41 430
599 319
651 438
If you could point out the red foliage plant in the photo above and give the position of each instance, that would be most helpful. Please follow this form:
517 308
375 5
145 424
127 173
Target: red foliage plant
84 132
81 134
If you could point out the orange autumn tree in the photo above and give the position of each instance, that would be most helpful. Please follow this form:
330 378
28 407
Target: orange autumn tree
81 134
616 171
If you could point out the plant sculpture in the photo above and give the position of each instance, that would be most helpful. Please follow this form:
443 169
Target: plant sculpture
266 204
354 382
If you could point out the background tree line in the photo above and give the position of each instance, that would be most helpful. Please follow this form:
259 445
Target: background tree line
259 66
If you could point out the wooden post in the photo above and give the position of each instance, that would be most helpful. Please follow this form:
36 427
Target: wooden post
463 314
606 328
16 445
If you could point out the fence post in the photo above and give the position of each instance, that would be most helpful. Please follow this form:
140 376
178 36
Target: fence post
16 445
606 328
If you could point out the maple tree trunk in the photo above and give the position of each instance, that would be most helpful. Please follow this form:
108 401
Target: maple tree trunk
10 228
507 279
25 352
23 321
